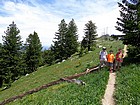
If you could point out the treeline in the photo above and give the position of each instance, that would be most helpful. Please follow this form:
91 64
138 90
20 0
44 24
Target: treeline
17 59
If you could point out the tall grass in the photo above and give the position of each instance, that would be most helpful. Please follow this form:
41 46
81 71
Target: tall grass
128 85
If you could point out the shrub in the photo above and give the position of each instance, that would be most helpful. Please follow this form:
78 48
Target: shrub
134 54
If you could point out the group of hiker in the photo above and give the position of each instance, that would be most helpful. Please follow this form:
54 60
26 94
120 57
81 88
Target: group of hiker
111 60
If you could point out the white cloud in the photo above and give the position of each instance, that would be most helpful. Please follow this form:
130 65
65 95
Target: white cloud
44 17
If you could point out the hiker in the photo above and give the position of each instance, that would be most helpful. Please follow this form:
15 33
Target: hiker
119 59
103 57
110 60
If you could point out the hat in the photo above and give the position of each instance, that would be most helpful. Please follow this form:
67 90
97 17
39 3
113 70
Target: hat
104 48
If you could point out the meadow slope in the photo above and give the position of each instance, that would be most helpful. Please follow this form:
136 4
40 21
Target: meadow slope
64 93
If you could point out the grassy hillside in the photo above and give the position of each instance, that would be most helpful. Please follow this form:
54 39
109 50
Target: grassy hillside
71 93
64 93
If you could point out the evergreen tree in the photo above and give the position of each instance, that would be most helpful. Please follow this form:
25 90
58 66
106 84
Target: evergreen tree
71 40
33 49
1 72
90 35
10 64
48 57
58 49
129 23
84 43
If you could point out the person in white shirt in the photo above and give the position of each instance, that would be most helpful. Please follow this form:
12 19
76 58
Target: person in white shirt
103 57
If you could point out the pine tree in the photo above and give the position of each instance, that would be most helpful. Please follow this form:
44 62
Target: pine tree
71 40
90 35
1 72
33 49
48 57
84 43
11 54
129 23
58 48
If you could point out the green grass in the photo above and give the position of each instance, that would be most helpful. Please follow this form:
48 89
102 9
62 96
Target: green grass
45 75
69 93
128 85
111 45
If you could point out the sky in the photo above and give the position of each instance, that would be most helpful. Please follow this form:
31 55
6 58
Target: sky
43 16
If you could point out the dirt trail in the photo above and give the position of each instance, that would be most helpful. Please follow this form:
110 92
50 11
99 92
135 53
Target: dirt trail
108 96
125 50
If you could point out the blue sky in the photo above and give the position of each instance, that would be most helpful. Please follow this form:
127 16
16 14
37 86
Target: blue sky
43 16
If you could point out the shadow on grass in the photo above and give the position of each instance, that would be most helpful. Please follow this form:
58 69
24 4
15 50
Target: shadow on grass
129 61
